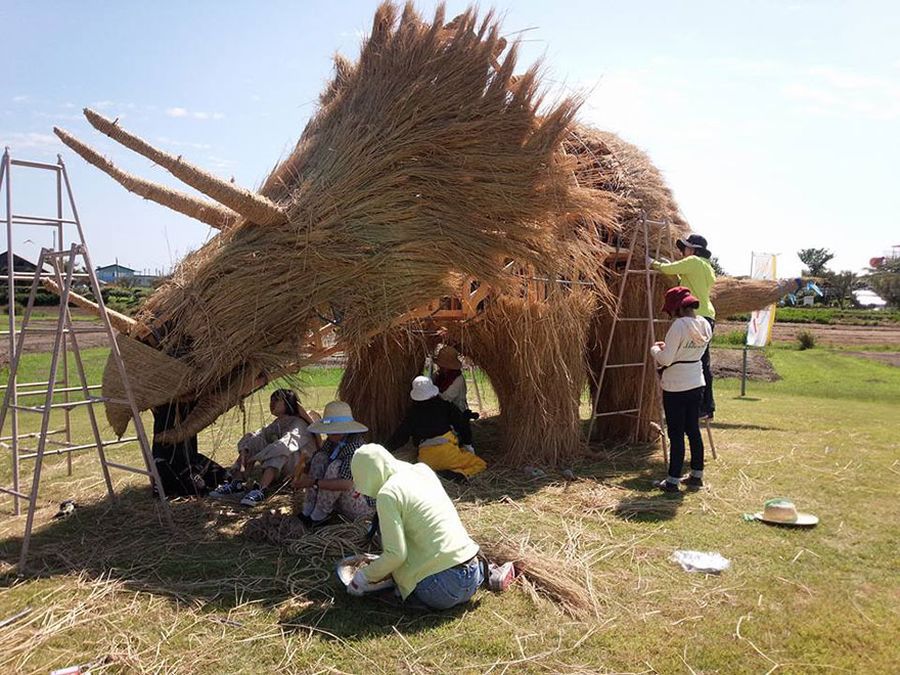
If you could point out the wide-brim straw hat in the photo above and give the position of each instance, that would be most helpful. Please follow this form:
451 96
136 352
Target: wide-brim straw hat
448 358
423 389
784 512
337 419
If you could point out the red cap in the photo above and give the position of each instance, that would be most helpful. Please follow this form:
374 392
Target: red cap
679 296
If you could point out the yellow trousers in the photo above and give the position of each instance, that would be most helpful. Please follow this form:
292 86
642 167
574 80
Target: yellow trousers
448 456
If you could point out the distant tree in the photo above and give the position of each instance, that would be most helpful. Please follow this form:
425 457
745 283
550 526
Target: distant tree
884 279
839 287
717 267
816 261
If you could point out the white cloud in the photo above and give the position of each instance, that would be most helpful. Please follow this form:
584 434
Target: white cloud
104 104
183 144
219 164
29 141
840 92
179 112
21 98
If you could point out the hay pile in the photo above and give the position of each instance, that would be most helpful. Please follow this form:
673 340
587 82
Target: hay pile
422 130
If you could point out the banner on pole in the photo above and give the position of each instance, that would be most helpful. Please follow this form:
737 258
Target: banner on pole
759 330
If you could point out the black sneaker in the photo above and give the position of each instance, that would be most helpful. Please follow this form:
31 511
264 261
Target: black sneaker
692 482
666 486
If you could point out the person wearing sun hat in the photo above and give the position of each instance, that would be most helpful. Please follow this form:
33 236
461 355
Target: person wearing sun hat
449 377
695 272
679 361
440 431
328 481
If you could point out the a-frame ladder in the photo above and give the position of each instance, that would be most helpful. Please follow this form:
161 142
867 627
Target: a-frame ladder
63 264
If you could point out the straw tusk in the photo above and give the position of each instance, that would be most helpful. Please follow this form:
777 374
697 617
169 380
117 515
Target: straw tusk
123 324
251 205
214 215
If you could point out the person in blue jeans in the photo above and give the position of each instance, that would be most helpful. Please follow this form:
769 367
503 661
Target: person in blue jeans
425 547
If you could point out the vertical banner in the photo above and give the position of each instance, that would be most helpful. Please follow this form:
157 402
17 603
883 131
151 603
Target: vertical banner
759 330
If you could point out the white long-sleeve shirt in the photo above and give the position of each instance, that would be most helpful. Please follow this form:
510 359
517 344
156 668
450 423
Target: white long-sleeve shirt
456 393
685 342
285 437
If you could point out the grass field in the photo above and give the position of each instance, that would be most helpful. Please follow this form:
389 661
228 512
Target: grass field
110 588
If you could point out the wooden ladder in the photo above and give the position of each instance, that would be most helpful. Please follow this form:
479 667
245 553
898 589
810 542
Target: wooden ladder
642 270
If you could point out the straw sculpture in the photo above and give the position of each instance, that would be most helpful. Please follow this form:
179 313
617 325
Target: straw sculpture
534 354
428 160
423 159
377 379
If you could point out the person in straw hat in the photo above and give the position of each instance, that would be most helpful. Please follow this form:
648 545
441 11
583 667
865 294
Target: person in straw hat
425 546
441 432
449 378
328 482
277 448
695 271
679 361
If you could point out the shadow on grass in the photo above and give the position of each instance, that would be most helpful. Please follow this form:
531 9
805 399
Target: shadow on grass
649 504
206 564
746 427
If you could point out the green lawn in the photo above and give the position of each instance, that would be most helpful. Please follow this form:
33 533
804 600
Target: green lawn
113 589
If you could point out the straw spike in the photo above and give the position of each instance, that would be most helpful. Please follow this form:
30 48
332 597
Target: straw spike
251 205
212 214
123 324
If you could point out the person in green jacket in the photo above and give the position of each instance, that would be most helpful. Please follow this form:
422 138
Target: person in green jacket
696 272
426 548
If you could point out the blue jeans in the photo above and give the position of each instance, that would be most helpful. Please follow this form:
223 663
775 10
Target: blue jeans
451 587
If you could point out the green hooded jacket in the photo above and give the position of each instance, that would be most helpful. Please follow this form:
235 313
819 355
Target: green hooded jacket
421 533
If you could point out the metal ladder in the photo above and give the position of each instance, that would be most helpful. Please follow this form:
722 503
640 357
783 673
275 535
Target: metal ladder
63 275
639 235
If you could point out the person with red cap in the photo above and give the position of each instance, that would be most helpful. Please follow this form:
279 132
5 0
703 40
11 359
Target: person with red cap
679 360
695 272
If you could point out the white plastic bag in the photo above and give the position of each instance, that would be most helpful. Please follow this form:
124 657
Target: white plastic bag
709 562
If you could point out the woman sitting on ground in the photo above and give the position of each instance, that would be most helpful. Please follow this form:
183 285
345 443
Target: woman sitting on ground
437 428
328 483
426 548
277 447
449 378
679 358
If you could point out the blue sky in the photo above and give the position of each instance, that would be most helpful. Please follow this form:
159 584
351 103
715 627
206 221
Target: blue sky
777 124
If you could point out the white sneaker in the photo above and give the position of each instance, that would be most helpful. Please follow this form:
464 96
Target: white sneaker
501 576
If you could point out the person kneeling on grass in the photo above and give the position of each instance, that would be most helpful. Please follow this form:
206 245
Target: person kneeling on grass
277 447
679 360
328 482
426 548
441 432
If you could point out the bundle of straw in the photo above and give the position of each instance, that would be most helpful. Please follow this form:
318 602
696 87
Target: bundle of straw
566 583
734 296
423 159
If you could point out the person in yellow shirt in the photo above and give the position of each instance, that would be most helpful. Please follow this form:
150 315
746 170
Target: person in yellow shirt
695 271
